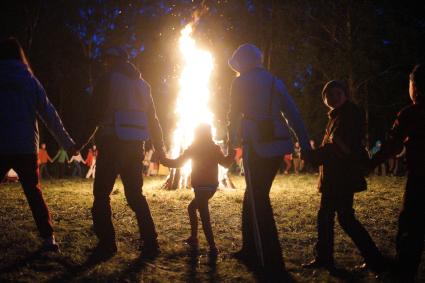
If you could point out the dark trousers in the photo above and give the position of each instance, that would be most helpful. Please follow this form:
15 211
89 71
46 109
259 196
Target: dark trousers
260 173
411 225
123 158
25 166
200 203
61 167
44 172
341 203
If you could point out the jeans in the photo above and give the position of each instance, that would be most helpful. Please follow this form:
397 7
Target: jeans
260 173
25 166
341 203
123 158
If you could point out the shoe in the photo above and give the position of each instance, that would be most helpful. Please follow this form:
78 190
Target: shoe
316 264
104 251
50 244
149 251
192 242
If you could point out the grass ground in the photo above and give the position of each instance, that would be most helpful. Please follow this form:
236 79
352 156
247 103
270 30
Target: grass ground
295 201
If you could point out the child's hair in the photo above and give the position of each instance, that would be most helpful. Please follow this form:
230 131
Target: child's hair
10 49
203 133
335 84
417 76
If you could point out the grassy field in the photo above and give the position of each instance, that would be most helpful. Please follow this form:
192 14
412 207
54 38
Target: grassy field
295 201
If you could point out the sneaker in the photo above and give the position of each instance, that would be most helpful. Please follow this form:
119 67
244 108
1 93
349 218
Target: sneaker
192 242
316 264
50 244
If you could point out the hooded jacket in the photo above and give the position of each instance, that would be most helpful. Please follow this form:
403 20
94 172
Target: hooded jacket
23 100
257 95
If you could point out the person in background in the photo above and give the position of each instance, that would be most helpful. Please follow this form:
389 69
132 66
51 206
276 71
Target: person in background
89 159
61 158
258 102
296 158
205 156
76 161
23 102
409 131
287 162
43 159
342 158
381 169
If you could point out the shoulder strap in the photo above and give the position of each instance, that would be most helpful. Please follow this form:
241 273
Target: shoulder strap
272 89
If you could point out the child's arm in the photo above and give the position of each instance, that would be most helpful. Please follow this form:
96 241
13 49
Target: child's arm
226 161
175 163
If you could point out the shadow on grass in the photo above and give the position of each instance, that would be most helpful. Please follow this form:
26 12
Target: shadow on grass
194 265
30 258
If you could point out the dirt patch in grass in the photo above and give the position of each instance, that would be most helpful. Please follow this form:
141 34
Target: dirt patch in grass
295 201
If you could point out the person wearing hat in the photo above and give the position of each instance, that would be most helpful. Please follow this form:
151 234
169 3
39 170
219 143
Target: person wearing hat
342 158
124 117
260 104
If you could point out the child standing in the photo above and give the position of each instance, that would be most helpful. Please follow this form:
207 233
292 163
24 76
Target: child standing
206 156
341 157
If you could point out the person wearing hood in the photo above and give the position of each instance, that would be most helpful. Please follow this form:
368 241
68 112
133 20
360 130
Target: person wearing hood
123 117
261 113
23 101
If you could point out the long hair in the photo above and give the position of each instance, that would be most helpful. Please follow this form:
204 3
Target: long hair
10 49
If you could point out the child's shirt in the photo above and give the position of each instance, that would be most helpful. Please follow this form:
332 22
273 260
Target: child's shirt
205 160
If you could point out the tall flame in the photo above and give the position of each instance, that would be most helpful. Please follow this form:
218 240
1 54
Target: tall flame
193 97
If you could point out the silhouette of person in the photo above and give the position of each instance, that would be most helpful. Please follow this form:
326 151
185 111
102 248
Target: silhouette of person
125 116
409 131
342 157
23 100
205 156
258 101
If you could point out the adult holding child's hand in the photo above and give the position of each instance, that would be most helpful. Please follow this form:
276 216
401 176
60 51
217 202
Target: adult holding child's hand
259 101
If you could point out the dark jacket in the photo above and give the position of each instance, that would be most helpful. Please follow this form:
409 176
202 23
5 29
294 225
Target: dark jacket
22 101
342 155
205 156
408 130
113 92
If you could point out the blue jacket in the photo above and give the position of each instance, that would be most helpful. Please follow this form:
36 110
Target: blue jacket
253 100
22 100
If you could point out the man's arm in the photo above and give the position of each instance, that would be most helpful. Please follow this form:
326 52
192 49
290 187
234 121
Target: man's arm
395 141
154 126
